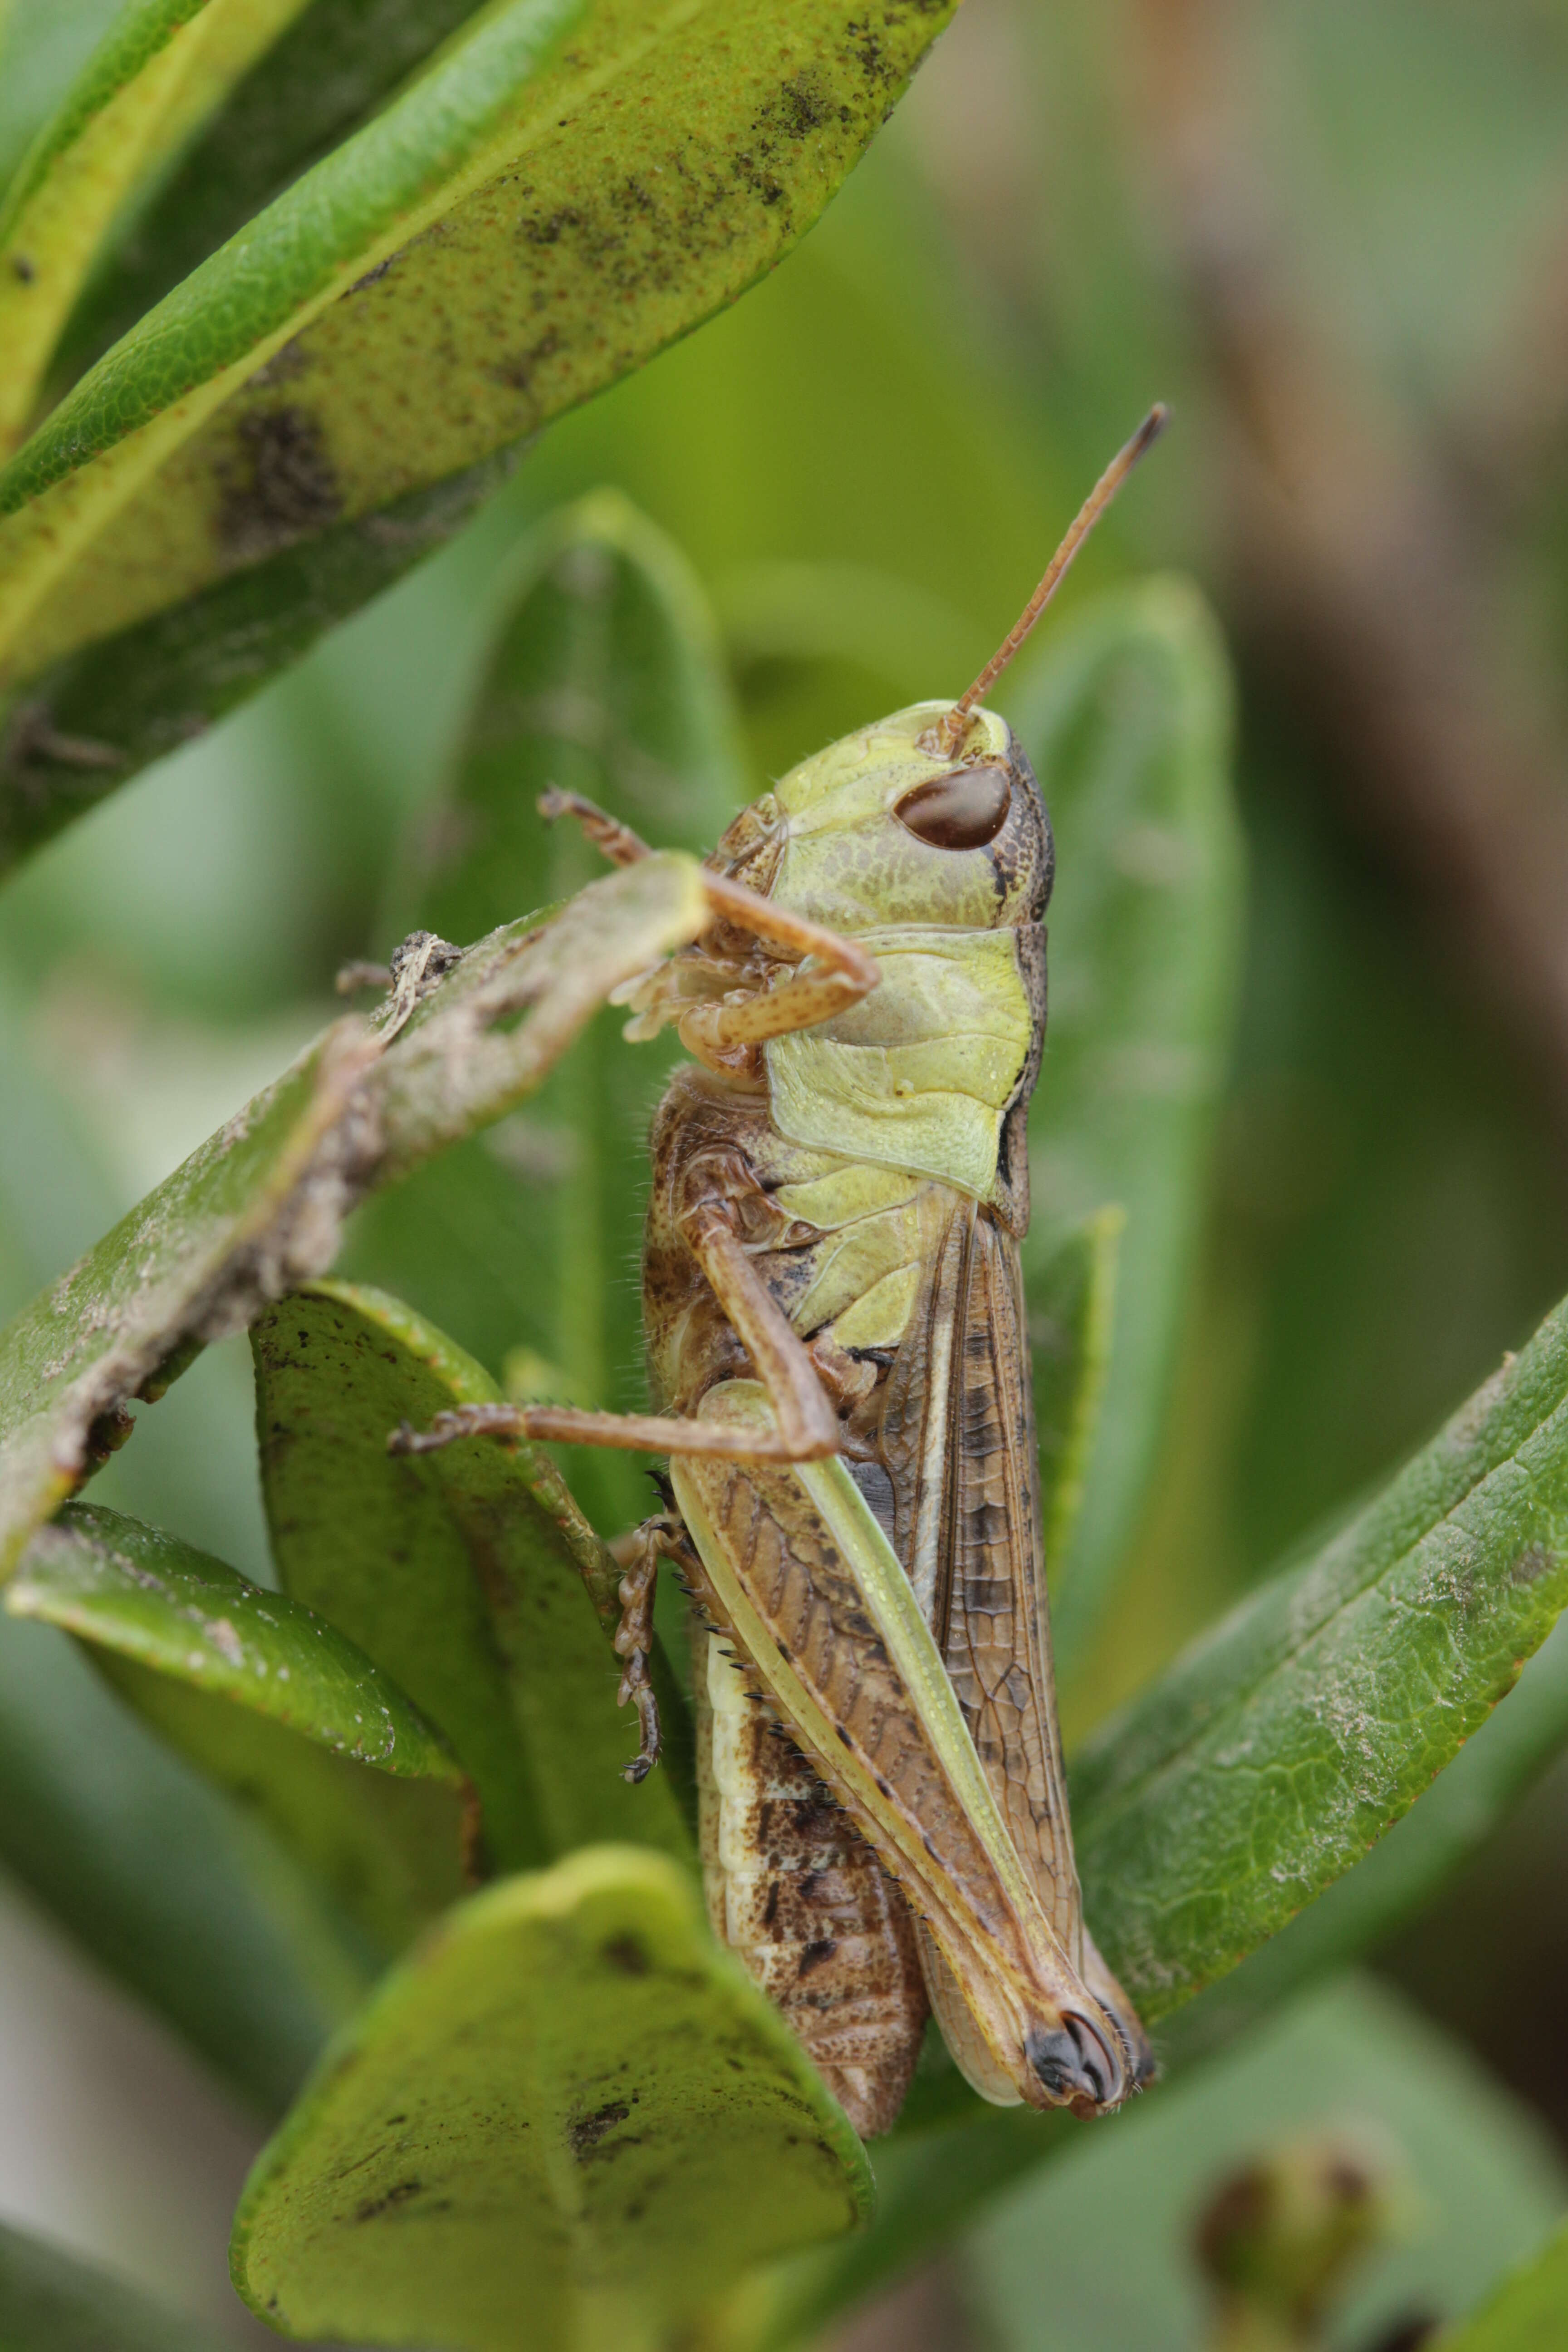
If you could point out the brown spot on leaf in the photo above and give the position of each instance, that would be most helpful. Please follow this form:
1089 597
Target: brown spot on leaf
802 105
625 1953
375 2206
585 2133
548 230
519 371
285 486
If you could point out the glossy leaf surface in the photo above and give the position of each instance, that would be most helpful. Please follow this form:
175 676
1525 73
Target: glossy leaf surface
160 1602
271 1701
1127 721
568 2114
469 1573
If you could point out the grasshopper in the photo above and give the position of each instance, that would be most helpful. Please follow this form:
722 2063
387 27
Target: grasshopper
834 1325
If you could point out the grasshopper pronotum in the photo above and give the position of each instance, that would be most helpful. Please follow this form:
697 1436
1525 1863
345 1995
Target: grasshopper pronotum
834 1325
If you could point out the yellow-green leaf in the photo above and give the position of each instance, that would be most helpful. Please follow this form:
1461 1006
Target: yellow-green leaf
164 66
498 245
330 69
570 2118
469 1574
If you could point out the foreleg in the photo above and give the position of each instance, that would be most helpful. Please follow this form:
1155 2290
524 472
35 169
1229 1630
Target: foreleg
807 1427
724 1034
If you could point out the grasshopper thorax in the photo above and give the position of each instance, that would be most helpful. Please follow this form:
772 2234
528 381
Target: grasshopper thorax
884 828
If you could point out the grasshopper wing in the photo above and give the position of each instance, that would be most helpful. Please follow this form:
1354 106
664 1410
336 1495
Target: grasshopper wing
958 1441
802 1581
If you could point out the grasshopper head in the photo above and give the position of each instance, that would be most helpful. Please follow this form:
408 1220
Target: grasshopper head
887 827
930 817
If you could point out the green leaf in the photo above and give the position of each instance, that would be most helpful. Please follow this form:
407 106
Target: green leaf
196 1909
571 2116
400 175
321 78
603 679
50 2302
292 382
152 686
180 1267
463 1572
1127 721
271 1701
1447 1824
164 65
257 1207
1278 1751
1072 1313
162 1603
1468 1801
1529 2312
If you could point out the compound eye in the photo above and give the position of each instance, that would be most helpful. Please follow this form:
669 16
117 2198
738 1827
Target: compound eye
963 810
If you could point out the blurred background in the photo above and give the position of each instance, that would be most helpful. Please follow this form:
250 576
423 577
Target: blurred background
1335 238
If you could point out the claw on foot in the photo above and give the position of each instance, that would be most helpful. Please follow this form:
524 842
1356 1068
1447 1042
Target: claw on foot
634 1640
638 1553
613 840
635 1686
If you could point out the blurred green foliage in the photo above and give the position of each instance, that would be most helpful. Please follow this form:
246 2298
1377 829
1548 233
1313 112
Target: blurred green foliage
864 463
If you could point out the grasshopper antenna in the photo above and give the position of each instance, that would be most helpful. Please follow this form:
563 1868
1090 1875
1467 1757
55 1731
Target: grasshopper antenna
949 732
